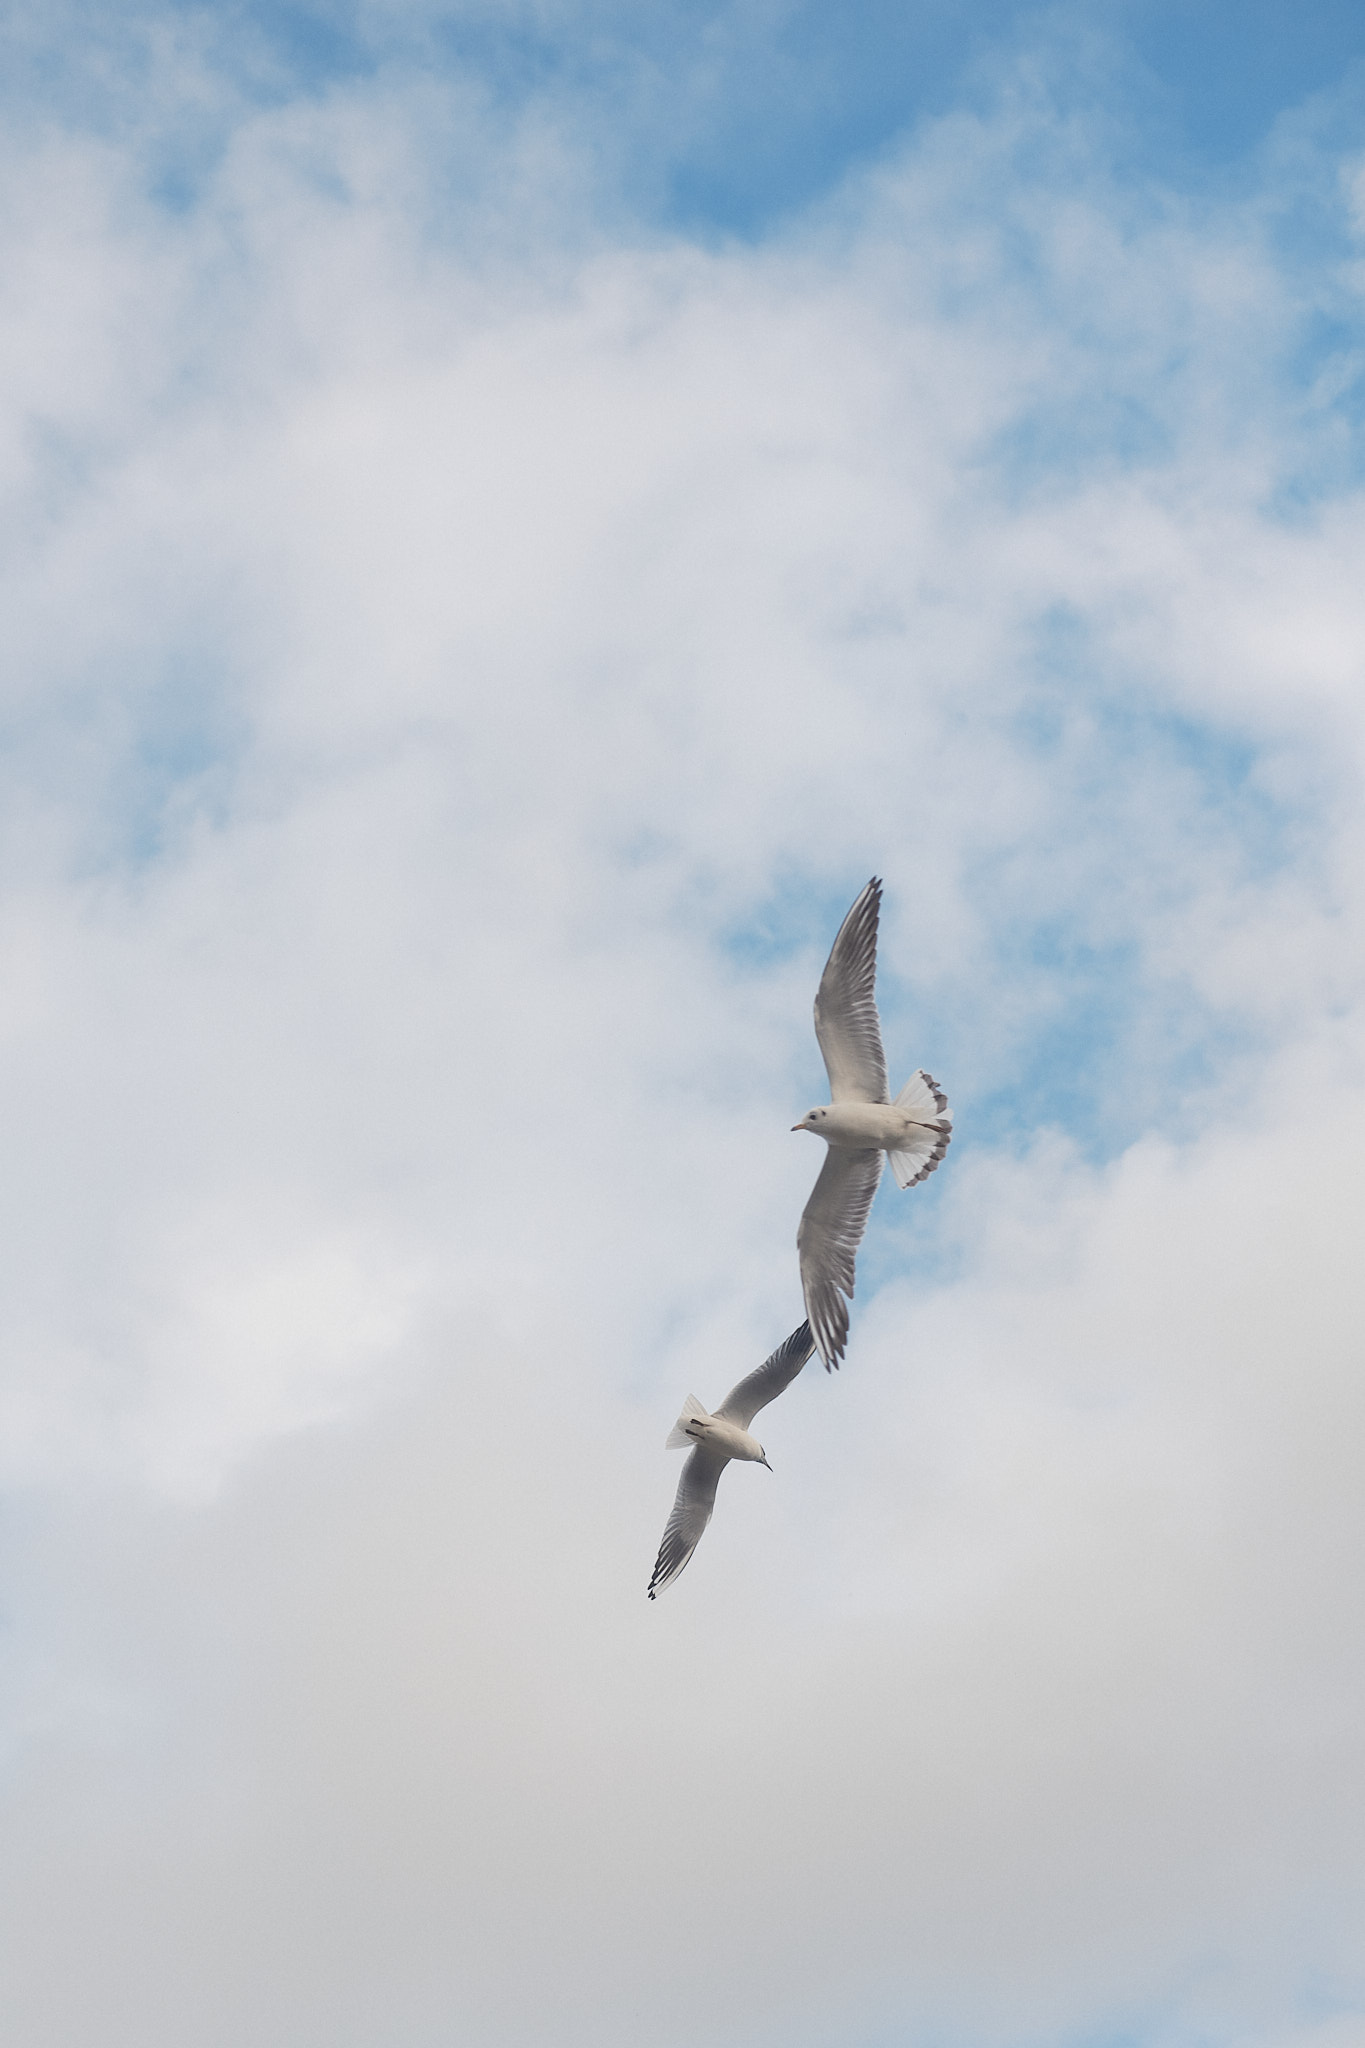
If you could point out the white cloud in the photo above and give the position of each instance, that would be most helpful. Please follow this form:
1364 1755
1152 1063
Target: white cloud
429 665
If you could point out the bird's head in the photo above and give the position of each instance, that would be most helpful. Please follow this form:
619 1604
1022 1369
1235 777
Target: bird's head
811 1120
763 1459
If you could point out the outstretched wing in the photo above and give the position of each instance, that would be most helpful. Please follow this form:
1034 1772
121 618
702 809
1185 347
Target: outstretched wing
846 1007
828 1239
692 1507
768 1380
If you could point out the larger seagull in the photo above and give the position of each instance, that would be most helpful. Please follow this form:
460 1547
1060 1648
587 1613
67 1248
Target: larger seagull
859 1124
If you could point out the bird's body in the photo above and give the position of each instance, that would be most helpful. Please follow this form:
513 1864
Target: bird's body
860 1124
717 1440
726 1439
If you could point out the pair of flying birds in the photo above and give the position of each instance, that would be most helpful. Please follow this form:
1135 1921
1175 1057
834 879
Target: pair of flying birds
859 1124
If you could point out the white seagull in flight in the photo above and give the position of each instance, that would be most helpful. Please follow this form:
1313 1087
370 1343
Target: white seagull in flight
859 1123
717 1439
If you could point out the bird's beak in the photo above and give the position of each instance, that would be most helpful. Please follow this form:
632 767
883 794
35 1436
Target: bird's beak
798 1127
763 1461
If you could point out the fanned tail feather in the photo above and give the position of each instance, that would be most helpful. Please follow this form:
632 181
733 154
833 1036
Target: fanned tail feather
692 1411
923 1099
922 1096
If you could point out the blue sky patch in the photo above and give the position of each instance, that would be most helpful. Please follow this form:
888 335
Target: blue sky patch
724 120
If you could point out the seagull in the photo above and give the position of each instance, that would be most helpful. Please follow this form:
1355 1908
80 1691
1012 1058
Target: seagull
859 1123
718 1438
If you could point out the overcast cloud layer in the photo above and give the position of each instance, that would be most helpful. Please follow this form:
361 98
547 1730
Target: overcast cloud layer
464 651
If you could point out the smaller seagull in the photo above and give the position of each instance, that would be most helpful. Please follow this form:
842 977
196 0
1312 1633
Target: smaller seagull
717 1439
860 1124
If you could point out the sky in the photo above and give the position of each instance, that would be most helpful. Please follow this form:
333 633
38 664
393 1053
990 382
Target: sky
512 513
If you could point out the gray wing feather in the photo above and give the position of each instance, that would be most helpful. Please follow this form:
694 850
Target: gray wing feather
828 1239
846 1007
696 1497
768 1380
